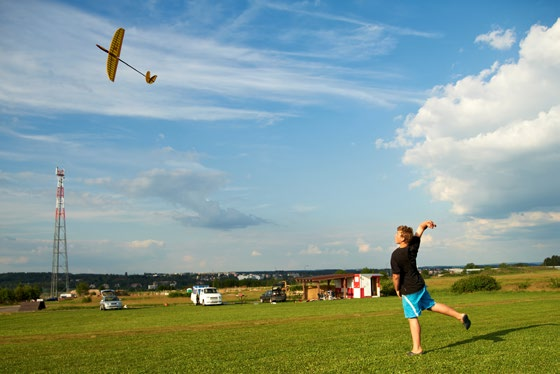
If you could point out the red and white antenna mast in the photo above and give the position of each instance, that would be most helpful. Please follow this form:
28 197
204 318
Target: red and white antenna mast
59 243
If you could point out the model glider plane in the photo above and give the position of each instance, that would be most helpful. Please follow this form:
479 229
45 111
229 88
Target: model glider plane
113 58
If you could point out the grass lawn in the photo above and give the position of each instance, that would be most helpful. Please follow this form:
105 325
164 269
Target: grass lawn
512 332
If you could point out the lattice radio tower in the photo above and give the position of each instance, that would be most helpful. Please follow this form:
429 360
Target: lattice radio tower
59 243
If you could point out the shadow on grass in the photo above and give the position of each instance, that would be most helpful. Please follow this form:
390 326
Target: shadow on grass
496 336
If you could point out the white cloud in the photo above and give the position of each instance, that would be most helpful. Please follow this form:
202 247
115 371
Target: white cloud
145 243
188 189
482 227
208 81
489 144
7 260
363 246
311 249
340 252
122 189
97 181
498 39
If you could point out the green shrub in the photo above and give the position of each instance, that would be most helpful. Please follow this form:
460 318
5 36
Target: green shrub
176 294
82 288
523 285
555 283
387 288
86 299
296 287
20 293
27 292
475 283
7 296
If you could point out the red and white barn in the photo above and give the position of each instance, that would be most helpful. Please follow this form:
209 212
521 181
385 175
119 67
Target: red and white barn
346 286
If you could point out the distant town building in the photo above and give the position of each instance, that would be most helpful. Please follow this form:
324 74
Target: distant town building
249 276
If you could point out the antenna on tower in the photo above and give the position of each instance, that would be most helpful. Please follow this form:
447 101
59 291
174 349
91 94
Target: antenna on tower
59 242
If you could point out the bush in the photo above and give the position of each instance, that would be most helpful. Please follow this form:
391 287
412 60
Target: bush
296 287
27 292
552 261
475 283
20 293
86 299
7 296
387 288
555 282
523 285
176 294
82 288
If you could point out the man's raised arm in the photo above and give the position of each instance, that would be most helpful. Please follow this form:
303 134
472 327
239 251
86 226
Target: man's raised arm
423 226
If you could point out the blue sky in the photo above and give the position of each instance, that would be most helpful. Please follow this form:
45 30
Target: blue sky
279 135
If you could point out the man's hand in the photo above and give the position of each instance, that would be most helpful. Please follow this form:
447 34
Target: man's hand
396 281
423 226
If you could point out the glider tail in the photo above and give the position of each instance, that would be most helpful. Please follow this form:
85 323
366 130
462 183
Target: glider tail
150 79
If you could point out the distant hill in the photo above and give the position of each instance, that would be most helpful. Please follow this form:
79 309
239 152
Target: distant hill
142 282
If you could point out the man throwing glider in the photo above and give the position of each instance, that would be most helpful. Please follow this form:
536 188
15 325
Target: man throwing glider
410 285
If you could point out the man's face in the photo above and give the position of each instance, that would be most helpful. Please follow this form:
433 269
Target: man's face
399 238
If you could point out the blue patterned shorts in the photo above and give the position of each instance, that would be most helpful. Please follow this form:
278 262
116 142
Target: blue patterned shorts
415 303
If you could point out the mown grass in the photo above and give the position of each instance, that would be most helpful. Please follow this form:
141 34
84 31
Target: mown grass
511 278
513 332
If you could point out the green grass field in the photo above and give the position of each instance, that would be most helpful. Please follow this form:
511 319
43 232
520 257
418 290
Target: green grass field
512 332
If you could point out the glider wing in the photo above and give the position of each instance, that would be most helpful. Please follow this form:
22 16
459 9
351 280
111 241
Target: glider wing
114 54
113 58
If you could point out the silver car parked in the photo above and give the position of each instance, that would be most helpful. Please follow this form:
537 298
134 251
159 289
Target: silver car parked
109 300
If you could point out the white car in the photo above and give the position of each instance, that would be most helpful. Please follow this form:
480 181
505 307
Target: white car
109 300
206 295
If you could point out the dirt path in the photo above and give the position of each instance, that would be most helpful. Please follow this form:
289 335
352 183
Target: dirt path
9 309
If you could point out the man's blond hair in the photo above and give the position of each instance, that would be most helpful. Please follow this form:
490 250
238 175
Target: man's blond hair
406 233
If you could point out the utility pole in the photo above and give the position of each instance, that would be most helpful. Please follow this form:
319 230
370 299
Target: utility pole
59 243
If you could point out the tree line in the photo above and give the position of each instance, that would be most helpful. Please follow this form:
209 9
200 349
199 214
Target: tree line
17 287
552 261
19 294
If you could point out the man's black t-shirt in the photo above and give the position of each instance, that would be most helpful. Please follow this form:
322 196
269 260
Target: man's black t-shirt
403 262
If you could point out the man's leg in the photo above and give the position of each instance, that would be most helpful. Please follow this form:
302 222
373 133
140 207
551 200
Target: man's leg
415 332
448 311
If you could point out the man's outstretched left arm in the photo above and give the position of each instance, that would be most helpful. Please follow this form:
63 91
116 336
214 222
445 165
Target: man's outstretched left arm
423 226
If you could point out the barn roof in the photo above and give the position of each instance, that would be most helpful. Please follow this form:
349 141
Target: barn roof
327 277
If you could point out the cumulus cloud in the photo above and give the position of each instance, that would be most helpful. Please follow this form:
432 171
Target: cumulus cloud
314 250
188 190
311 249
365 247
6 260
498 38
97 181
486 228
145 243
488 144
